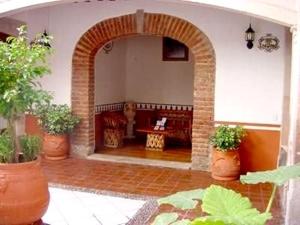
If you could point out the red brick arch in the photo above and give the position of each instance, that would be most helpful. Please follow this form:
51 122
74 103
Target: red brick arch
83 140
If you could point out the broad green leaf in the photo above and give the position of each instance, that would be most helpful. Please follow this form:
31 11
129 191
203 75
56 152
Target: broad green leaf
203 221
278 176
228 206
182 222
165 219
183 200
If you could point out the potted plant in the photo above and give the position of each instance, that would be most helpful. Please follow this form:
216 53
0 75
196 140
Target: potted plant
225 155
57 121
23 186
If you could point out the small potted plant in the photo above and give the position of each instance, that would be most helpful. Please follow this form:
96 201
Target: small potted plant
24 195
57 121
225 155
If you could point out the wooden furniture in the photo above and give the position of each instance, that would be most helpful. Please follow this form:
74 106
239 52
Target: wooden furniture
114 129
178 120
155 138
181 123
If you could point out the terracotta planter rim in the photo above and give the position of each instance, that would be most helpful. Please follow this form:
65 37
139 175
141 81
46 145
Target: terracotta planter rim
20 165
64 134
227 150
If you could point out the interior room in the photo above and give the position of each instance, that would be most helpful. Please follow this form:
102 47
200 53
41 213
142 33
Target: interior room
144 98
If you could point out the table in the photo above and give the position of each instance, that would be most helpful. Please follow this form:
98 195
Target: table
155 138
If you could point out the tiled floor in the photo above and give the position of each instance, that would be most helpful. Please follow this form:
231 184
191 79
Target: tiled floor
147 181
73 207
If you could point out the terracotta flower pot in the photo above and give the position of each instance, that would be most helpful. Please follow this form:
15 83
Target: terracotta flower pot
32 126
56 147
24 195
225 165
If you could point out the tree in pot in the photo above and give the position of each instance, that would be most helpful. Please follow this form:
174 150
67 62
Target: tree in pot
57 122
23 186
225 155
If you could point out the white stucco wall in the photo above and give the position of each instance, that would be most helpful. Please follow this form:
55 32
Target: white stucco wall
110 73
150 79
249 83
134 71
280 11
3 123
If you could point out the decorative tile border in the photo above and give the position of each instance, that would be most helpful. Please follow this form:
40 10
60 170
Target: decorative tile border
102 192
142 106
157 106
144 214
109 107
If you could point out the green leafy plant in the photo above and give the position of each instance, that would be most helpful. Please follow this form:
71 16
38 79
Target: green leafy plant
224 206
57 119
183 200
6 150
276 177
31 146
21 64
165 218
232 207
206 222
227 138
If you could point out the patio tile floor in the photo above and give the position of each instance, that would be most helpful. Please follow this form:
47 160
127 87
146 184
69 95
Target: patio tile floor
148 181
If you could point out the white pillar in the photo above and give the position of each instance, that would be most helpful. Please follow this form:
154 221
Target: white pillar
292 216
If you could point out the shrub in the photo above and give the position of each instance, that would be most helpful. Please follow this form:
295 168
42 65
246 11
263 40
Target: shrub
22 64
57 119
31 146
227 138
6 148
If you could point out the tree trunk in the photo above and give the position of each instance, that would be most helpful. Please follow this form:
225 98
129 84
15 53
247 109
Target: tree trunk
15 140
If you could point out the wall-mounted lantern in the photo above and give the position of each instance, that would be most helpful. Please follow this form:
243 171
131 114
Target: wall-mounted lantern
250 36
43 39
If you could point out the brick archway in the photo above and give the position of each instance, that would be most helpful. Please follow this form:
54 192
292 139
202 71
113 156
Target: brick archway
83 140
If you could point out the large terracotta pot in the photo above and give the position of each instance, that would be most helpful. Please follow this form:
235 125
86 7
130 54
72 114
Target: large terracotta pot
225 165
56 147
24 195
32 126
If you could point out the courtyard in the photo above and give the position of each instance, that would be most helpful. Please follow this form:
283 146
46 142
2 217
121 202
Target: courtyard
142 183
128 101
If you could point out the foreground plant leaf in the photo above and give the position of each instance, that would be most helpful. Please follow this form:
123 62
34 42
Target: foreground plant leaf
228 206
183 200
165 219
278 176
202 221
182 222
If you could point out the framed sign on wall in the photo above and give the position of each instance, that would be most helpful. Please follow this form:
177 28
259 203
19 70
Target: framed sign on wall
174 50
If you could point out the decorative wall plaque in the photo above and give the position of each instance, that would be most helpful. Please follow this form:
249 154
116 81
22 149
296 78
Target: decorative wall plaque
268 43
108 47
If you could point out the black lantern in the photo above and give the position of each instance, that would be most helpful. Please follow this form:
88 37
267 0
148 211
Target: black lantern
45 34
249 36
41 40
